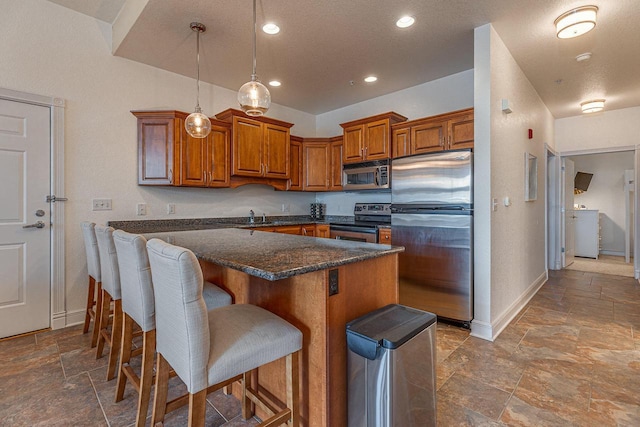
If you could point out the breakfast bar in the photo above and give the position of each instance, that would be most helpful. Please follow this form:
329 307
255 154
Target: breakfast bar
318 285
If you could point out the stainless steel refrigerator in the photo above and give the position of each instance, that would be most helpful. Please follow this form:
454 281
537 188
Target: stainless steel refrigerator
432 217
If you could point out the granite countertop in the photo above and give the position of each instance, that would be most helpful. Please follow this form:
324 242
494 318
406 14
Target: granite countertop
272 256
186 224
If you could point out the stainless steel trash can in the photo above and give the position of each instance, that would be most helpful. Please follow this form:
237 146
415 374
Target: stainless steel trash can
391 368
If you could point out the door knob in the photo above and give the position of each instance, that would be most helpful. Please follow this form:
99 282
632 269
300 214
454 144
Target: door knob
38 224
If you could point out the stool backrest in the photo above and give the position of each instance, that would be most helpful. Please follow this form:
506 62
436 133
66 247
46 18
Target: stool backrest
135 278
108 261
91 248
182 325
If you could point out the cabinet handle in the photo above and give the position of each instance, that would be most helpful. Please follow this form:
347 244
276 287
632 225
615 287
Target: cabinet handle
304 231
449 140
210 177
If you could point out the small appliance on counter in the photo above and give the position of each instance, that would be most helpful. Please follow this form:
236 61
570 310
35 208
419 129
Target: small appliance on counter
317 210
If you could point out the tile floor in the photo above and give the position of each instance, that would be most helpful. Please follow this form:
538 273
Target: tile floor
570 358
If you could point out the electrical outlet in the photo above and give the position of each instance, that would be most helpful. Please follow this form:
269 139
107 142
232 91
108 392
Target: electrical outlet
101 204
171 208
141 209
285 207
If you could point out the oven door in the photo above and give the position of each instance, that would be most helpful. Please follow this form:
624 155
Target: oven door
354 233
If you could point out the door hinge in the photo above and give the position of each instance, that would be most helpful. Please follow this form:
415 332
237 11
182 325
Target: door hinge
562 250
53 199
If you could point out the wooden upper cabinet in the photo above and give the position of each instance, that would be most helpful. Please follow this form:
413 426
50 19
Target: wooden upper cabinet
450 131
157 145
260 146
369 138
400 142
460 130
218 156
296 165
317 166
335 178
205 161
428 137
276 151
353 149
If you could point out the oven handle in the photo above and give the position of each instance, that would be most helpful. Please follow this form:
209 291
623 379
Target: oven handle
354 229
375 176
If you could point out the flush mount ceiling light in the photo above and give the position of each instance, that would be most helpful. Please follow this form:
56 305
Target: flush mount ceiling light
405 21
576 22
271 28
583 57
197 124
370 79
275 83
592 106
253 96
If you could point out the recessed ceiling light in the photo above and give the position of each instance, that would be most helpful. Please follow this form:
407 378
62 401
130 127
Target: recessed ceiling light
576 22
592 106
271 28
274 83
405 21
370 79
583 57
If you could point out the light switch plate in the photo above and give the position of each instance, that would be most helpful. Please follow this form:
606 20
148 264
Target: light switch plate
101 204
141 209
171 208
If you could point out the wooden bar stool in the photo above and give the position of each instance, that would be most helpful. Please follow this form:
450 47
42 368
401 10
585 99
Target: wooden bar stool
138 308
210 349
94 293
110 292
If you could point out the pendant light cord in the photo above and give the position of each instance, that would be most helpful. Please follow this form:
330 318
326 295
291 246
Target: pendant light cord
198 68
254 76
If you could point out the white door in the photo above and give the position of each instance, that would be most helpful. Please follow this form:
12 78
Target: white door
25 249
569 227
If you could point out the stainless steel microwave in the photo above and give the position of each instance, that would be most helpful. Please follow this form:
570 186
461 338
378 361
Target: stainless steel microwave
366 176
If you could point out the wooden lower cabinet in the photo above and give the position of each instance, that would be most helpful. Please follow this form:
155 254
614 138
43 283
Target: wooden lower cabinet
384 236
323 230
304 302
310 230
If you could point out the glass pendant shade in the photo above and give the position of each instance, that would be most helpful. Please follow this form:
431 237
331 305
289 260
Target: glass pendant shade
254 98
197 124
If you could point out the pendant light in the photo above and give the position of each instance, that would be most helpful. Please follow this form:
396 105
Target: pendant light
253 96
197 124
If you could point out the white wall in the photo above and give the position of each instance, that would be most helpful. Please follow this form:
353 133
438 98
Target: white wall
511 240
66 54
606 194
449 93
605 130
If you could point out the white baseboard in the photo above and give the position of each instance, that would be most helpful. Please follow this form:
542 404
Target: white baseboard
75 317
614 253
59 320
490 331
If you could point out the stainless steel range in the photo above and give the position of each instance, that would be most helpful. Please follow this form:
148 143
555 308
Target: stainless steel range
367 218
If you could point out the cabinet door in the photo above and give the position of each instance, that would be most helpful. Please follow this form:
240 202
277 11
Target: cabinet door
218 157
308 230
323 230
276 151
317 166
353 148
428 137
193 163
289 229
335 183
295 176
377 144
460 132
247 147
156 146
400 142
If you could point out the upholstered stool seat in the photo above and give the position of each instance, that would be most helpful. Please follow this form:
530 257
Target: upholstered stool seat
139 308
211 349
94 293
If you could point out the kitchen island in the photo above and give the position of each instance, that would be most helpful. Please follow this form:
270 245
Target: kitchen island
318 285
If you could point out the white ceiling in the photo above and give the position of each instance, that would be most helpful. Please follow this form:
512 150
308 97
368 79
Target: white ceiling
323 45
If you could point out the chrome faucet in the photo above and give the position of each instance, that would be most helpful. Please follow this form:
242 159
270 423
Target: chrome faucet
264 217
252 217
